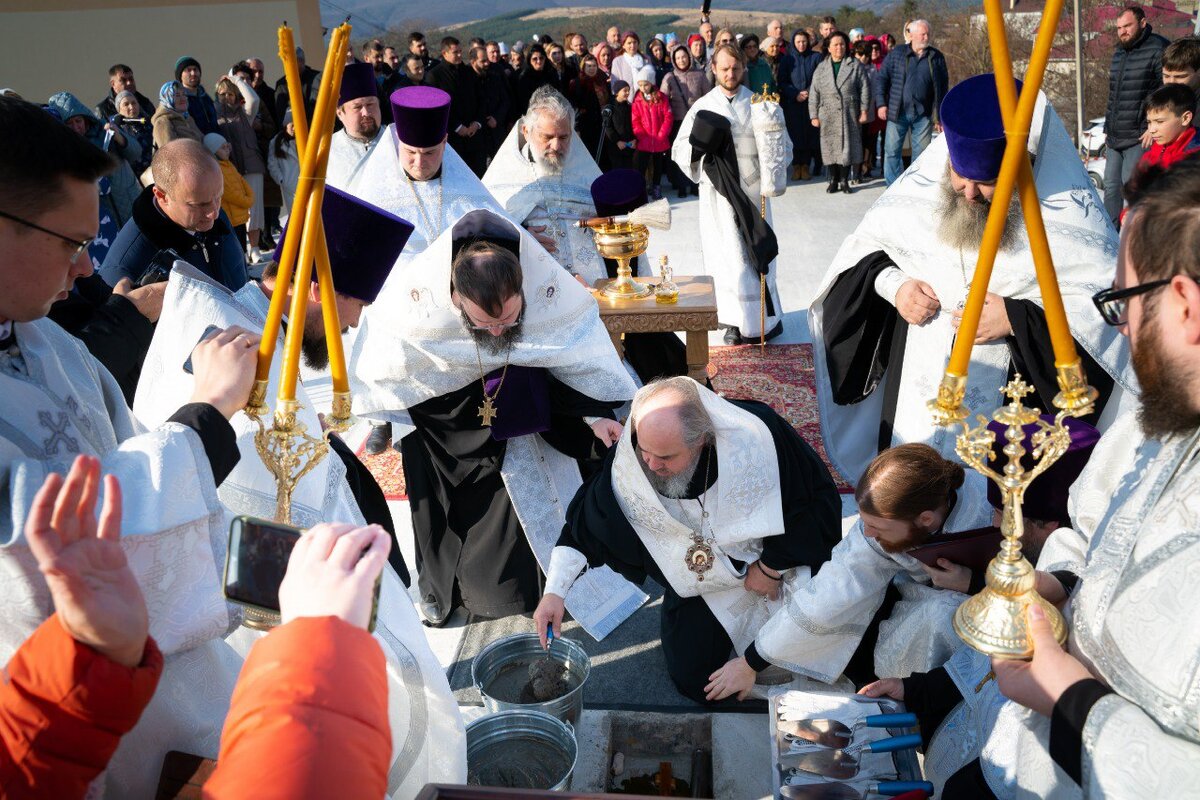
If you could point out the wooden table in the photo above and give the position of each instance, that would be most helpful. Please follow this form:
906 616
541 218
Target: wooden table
695 313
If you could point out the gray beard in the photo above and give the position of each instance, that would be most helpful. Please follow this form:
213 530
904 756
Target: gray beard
675 486
546 166
961 222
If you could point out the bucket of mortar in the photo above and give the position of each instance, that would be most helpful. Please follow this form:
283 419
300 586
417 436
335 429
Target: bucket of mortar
516 652
521 749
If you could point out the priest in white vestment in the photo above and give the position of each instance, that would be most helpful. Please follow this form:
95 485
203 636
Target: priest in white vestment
720 502
724 157
886 314
542 176
1117 713
362 125
364 242
968 726
59 402
501 362
416 175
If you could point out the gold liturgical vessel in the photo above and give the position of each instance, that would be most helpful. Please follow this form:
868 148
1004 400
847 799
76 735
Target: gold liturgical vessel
624 238
623 241
286 448
994 621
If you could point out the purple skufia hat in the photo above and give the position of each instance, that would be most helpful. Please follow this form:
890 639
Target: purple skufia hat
422 114
364 242
1046 497
358 80
618 191
974 128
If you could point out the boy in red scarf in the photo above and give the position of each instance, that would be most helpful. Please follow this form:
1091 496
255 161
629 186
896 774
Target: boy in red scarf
1169 114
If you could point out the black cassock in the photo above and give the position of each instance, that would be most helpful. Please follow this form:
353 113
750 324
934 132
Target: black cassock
372 502
864 334
471 548
693 640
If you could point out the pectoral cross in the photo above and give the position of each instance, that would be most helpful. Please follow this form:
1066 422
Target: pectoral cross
487 412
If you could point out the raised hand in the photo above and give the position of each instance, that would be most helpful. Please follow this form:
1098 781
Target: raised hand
95 593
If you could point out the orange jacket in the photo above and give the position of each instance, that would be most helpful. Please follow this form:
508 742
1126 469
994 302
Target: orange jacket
63 709
308 717
238 197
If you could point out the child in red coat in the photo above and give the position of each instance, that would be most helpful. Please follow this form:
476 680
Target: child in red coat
1169 117
652 121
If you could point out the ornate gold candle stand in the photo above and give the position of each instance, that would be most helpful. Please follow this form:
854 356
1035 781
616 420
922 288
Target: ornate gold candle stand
993 621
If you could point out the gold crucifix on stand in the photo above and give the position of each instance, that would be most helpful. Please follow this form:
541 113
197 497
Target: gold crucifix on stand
993 621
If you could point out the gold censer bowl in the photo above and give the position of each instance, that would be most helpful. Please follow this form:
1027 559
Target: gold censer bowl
623 242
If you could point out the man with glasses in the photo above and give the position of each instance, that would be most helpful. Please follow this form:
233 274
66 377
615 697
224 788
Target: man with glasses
887 313
414 174
179 217
500 361
59 403
1113 714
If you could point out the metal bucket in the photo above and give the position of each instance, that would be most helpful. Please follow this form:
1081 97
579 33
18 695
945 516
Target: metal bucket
521 749
524 648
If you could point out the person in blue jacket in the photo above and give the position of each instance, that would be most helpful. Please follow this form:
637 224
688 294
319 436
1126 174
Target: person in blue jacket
179 217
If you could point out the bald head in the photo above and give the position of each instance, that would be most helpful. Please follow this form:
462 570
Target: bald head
181 157
187 184
672 429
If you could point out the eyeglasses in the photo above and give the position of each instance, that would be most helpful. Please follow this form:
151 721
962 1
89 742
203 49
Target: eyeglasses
494 326
1113 304
79 246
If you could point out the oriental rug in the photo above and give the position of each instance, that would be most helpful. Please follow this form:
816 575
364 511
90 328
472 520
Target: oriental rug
782 376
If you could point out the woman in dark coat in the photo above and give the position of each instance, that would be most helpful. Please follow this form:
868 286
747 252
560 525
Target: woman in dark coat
589 95
537 73
838 101
796 70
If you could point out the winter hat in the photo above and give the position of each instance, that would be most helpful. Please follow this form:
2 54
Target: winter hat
214 142
617 86
184 63
695 37
166 94
287 117
646 74
124 95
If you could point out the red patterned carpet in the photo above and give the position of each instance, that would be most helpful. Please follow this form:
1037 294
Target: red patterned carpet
387 471
781 376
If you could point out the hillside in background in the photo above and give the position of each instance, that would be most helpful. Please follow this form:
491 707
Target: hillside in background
374 17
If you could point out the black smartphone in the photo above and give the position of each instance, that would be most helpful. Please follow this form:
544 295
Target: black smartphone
159 268
257 560
209 332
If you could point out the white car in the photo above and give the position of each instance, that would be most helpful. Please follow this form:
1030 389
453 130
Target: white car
1093 137
1095 168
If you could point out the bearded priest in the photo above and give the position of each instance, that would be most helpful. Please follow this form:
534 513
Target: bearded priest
362 130
542 176
415 174
885 317
364 243
503 365
721 503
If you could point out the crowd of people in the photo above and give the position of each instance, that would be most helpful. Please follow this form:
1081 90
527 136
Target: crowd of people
549 472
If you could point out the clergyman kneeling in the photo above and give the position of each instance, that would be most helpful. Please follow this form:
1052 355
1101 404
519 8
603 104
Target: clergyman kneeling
723 504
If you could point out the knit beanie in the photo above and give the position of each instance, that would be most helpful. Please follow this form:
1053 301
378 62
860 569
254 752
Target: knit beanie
646 74
126 94
214 141
617 86
184 63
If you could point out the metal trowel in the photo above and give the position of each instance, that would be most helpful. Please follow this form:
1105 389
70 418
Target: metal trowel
841 791
831 733
843 764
